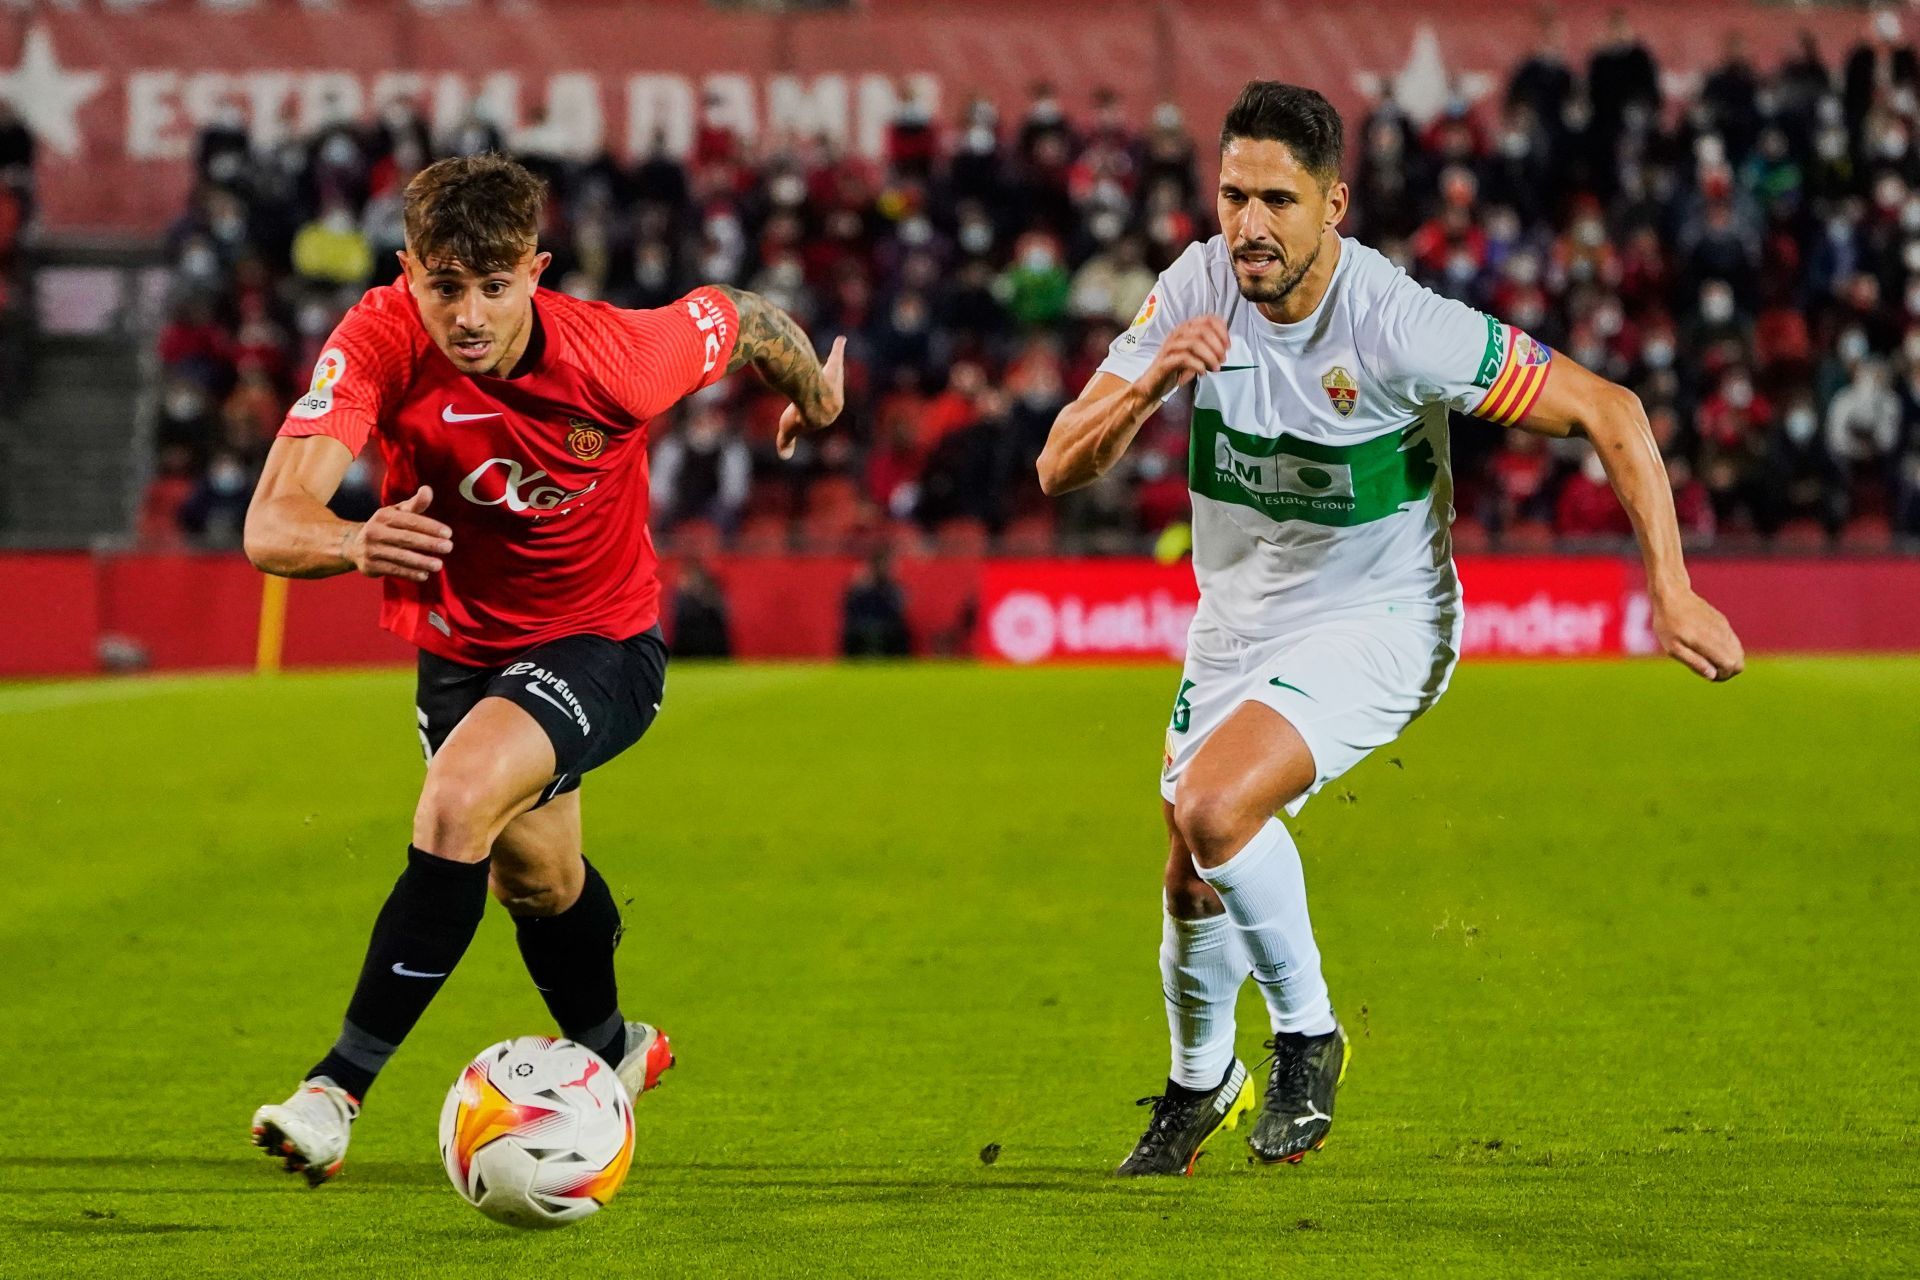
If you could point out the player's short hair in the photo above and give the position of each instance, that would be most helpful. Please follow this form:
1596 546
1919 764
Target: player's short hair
480 211
1269 111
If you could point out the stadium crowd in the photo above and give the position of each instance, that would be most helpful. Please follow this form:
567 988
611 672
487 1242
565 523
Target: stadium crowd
1748 260
16 205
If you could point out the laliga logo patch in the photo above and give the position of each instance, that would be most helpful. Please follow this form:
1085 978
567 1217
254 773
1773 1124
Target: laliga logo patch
1342 390
327 372
1146 310
584 440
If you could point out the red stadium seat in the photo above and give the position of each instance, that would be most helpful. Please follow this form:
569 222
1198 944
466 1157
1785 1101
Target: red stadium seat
1867 534
905 538
1470 537
1801 535
1029 535
695 539
1528 537
961 536
762 535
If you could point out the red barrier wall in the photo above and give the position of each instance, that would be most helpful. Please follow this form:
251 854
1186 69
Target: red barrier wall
193 612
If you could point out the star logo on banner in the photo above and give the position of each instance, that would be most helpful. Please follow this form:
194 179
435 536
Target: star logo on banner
1421 88
46 96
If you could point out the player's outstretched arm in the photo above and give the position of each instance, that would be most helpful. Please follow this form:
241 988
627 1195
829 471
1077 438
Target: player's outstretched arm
1092 433
1575 399
778 348
290 532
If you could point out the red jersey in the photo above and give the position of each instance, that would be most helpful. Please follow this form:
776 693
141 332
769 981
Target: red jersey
541 476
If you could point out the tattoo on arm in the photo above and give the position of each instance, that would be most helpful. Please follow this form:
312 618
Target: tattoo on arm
773 343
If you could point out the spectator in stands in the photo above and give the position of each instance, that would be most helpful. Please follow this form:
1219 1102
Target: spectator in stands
701 472
16 157
331 249
874 613
1587 507
1863 427
216 510
701 628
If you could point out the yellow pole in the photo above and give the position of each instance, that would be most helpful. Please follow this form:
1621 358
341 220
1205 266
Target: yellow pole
273 626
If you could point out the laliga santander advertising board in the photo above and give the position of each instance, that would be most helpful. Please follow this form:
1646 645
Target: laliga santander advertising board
1138 610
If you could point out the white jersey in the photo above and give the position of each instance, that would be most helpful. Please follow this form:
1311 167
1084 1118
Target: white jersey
1318 465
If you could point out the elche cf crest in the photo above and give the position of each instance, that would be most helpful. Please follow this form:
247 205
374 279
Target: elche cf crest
1341 389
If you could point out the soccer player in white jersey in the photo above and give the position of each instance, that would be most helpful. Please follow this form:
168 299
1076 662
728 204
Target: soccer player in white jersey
1329 611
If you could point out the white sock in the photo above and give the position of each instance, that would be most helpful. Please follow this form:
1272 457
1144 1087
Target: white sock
1265 892
1201 969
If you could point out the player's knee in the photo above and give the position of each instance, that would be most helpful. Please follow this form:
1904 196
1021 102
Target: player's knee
459 814
1214 823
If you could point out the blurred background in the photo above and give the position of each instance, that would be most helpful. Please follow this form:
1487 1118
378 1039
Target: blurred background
1717 204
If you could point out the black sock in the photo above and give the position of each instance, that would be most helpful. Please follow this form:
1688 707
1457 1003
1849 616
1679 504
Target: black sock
570 957
418 938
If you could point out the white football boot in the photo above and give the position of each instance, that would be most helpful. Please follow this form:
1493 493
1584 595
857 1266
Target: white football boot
648 1056
308 1131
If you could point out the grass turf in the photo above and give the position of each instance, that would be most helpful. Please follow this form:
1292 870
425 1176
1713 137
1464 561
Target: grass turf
1628 960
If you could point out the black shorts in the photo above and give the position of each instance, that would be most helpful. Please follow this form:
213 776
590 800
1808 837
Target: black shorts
594 697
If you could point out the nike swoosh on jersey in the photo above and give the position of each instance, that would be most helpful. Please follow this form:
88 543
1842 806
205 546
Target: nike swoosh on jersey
448 415
1296 688
405 972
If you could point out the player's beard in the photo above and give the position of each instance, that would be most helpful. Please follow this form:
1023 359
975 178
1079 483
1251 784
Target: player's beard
1271 291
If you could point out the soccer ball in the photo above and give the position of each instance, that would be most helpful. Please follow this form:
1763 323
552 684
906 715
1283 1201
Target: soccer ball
537 1132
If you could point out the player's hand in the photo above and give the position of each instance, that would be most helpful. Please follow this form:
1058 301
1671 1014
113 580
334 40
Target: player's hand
1699 635
828 401
1194 347
400 542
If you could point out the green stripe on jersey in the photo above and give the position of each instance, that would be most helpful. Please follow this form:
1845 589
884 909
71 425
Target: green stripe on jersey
1287 478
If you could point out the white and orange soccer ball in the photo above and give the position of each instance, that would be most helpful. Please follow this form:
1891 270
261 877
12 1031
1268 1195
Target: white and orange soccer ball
537 1132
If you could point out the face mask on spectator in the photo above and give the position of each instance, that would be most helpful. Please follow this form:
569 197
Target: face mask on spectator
1516 144
976 237
1840 229
314 319
1608 318
1038 258
1889 192
185 403
339 221
1523 269
1106 226
1658 353
1912 347
1593 469
1831 144
1530 314
1913 298
916 231
788 190
1461 267
227 477
1739 392
1716 306
1853 346
199 262
1801 423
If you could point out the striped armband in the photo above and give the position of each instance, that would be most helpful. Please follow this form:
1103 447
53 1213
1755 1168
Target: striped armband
1513 370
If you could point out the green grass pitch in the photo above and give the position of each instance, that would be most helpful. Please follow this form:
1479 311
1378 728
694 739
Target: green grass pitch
1630 964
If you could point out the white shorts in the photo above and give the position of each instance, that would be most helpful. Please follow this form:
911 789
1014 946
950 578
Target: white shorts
1349 685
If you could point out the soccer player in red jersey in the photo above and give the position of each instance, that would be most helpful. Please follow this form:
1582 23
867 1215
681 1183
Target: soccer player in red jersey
513 550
